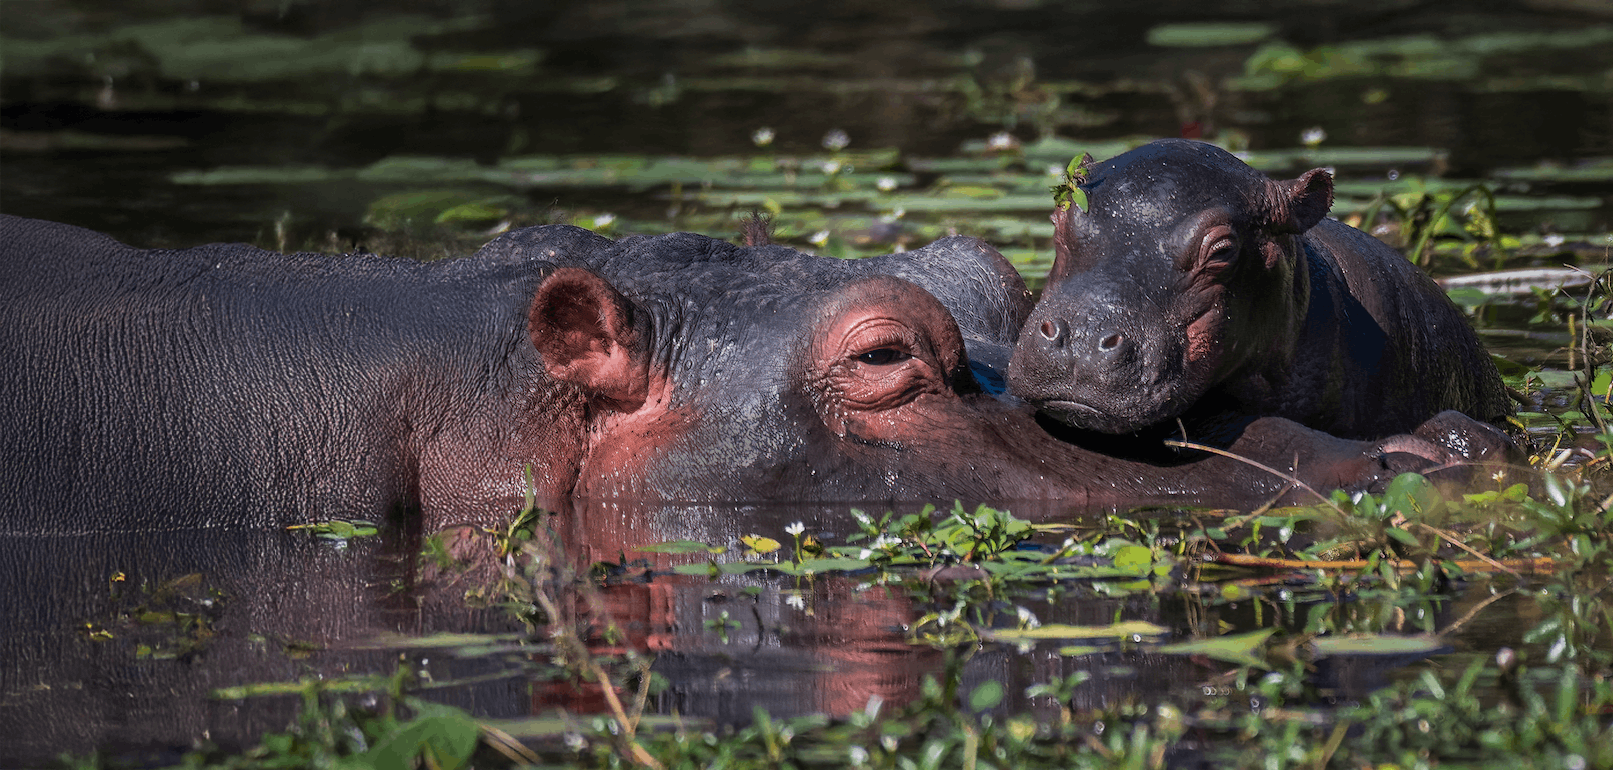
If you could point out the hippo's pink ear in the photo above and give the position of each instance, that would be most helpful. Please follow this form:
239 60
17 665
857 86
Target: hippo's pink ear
584 330
1298 204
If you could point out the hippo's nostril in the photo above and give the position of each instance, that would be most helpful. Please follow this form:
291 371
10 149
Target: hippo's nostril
1111 342
1054 330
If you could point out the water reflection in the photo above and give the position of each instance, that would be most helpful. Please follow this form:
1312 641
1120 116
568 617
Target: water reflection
119 641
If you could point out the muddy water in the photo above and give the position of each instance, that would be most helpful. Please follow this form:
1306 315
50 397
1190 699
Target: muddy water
284 125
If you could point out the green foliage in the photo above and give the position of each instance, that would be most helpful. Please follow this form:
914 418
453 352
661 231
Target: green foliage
338 530
1420 212
1068 192
329 731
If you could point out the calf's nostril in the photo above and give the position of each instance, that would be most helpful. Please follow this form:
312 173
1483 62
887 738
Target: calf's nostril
1054 330
1111 342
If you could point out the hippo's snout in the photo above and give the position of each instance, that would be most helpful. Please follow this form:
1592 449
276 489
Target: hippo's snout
1089 366
1084 346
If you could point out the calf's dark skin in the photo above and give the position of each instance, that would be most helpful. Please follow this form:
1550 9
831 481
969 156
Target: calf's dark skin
1192 292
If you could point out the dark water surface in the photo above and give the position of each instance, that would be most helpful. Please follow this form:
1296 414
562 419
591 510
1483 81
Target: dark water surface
131 642
298 125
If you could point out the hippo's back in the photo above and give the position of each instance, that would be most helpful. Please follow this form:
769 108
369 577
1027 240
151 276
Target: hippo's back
1438 361
224 384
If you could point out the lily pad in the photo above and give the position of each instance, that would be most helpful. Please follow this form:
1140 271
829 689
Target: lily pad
1204 34
680 546
1239 649
1123 630
1377 644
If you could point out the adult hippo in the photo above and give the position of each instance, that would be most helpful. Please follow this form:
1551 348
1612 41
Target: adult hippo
1192 287
226 385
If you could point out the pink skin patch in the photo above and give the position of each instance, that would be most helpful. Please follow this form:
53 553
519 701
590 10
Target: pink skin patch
884 343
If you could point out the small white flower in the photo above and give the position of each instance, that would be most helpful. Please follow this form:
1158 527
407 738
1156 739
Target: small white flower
836 140
886 183
1027 619
831 167
604 220
796 529
1002 140
1312 136
864 553
762 137
859 755
1055 170
1553 240
819 238
795 600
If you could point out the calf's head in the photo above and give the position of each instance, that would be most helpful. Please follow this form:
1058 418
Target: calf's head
1181 274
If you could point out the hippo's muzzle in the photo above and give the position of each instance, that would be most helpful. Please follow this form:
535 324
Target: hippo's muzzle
1097 365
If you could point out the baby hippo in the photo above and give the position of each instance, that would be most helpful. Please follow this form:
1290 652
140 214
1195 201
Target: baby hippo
1193 288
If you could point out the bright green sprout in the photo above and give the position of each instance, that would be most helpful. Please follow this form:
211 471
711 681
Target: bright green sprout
1069 192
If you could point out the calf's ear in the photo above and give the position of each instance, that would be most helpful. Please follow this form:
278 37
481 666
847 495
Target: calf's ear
584 329
1063 245
1298 204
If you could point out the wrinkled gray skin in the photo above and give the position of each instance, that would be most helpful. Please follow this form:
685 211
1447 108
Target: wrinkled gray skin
1194 287
228 386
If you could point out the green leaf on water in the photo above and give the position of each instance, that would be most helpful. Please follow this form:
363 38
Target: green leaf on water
337 529
1239 649
1134 559
1076 651
986 695
680 546
820 566
472 213
1402 536
1413 496
1203 34
1123 630
1377 644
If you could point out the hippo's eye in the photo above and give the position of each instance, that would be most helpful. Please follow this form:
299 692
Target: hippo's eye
883 356
1223 250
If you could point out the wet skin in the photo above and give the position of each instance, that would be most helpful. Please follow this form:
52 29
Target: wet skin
1194 288
226 385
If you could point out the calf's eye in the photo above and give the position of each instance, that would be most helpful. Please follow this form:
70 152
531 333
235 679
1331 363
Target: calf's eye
883 356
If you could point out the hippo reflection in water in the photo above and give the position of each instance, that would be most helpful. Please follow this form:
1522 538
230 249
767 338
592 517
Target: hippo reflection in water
226 385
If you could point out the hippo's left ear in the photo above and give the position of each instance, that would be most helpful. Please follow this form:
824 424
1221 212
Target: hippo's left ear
584 329
1298 204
